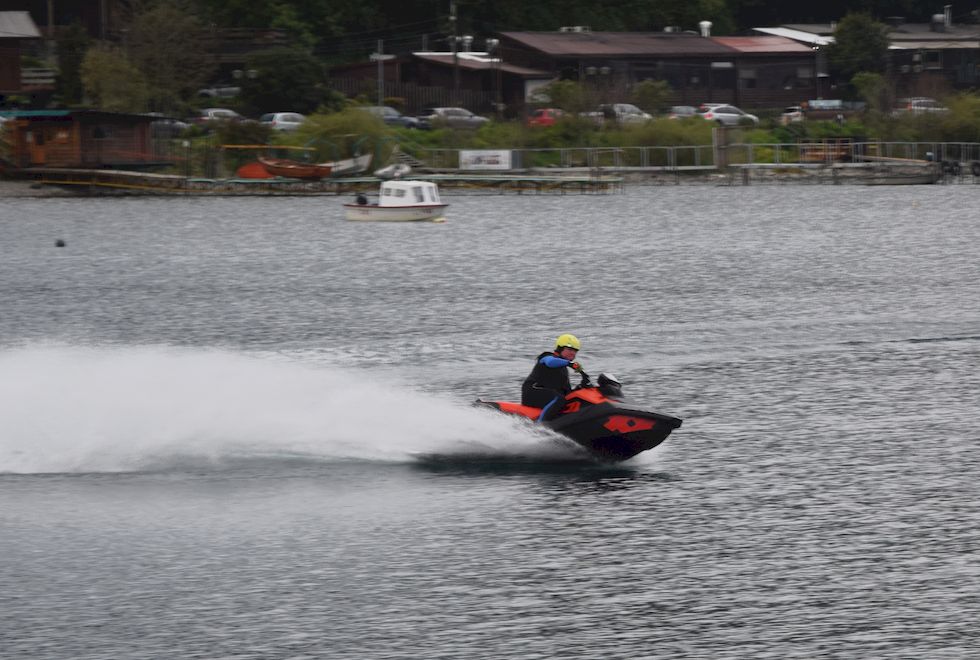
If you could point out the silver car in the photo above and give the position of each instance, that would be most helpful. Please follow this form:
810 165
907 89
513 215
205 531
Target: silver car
282 121
452 117
918 105
727 115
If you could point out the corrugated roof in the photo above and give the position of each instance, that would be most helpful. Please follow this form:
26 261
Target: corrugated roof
24 114
773 45
619 44
823 29
473 62
17 25
934 45
924 32
797 35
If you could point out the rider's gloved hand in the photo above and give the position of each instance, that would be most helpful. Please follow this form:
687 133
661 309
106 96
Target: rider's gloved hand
576 366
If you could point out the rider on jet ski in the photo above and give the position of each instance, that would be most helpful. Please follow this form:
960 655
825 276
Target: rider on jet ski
548 382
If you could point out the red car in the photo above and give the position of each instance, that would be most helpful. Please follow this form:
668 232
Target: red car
544 117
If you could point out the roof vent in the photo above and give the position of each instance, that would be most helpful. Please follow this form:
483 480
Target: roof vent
575 28
672 28
705 28
938 23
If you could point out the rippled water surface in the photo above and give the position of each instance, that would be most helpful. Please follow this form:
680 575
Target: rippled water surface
212 413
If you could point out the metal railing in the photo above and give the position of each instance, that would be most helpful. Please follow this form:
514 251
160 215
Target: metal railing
707 156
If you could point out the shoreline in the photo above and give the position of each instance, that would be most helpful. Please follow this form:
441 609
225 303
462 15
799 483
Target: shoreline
594 180
10 188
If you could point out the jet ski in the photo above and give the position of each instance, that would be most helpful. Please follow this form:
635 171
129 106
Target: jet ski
595 417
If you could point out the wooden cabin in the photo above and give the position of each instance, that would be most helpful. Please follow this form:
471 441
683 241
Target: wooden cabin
91 139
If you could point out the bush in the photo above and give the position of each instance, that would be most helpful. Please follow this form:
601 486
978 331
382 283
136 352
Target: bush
339 134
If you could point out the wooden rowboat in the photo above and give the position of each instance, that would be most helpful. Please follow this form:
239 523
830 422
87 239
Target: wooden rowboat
294 169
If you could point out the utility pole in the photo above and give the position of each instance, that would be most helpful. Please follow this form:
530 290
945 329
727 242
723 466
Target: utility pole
455 43
380 58
51 46
381 73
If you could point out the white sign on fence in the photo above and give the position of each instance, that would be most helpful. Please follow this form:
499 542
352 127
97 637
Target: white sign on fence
485 159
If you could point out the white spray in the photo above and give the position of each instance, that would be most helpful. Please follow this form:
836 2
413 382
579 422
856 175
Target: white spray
69 409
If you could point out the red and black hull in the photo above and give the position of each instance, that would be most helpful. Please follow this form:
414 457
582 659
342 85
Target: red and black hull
606 429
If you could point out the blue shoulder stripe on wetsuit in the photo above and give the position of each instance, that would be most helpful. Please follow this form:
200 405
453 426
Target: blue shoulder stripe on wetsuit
554 362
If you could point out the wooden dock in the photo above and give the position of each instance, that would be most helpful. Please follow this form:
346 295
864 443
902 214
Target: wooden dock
121 182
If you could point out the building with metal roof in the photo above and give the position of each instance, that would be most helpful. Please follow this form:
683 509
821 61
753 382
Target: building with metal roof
924 58
747 71
16 27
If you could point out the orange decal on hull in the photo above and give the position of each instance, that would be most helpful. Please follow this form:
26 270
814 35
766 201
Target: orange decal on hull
628 424
574 406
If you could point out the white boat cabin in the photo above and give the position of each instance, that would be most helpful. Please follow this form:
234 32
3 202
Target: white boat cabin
408 193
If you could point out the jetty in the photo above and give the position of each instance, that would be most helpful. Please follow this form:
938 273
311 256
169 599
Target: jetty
125 182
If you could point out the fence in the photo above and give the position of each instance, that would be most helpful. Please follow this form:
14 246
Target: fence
706 157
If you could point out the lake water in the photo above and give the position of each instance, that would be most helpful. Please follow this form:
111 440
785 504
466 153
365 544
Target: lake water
211 412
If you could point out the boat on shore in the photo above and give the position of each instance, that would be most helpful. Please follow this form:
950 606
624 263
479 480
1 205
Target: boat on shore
294 169
347 166
400 201
393 171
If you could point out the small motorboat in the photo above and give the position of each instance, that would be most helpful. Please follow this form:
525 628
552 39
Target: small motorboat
294 169
400 201
596 419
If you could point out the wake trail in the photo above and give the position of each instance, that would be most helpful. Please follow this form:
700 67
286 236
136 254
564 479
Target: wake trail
95 409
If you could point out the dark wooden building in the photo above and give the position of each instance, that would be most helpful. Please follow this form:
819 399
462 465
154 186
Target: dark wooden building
478 81
78 139
748 71
16 29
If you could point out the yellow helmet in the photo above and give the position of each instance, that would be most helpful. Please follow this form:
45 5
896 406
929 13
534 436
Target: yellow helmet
571 341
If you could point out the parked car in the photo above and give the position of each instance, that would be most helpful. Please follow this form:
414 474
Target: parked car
391 117
282 121
682 112
220 92
726 115
545 117
624 113
918 105
212 115
452 117
791 115
166 127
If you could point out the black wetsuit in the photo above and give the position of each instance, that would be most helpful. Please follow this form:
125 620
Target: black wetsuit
547 385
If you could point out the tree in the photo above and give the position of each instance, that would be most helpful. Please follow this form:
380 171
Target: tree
111 81
169 46
568 95
284 79
874 89
651 95
73 42
860 44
